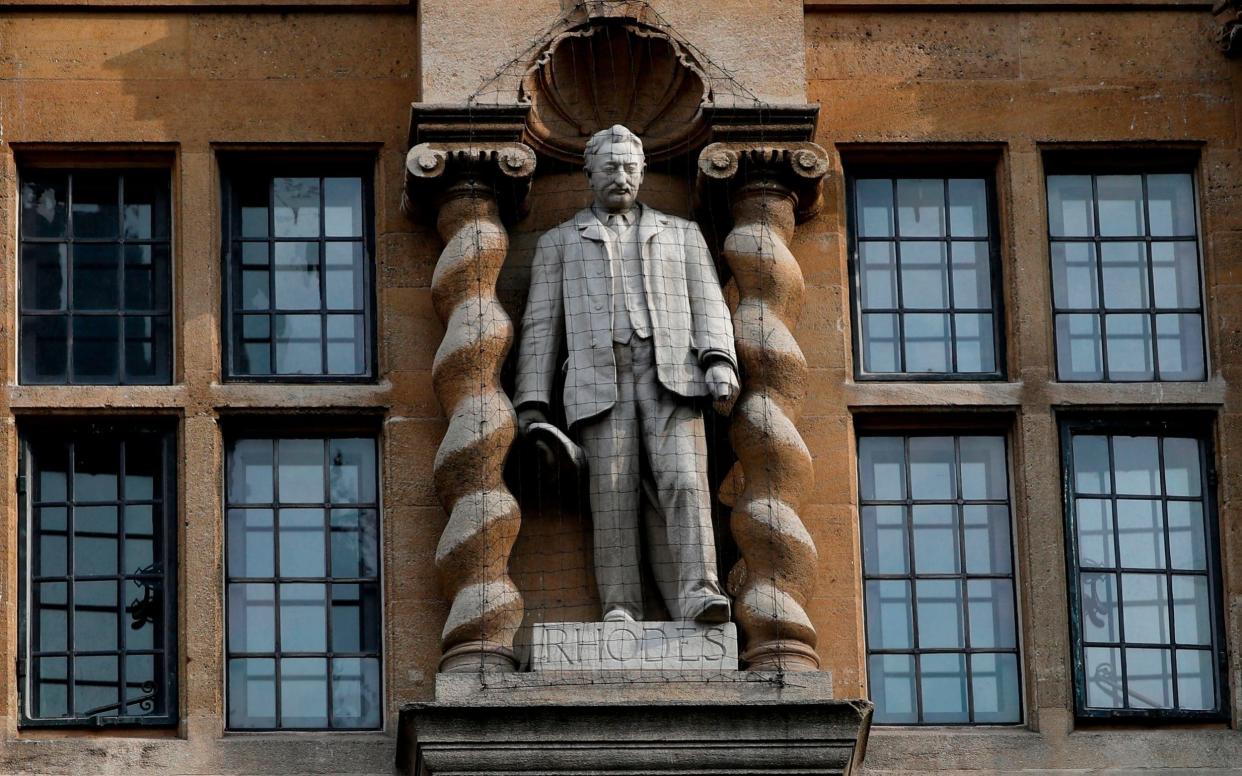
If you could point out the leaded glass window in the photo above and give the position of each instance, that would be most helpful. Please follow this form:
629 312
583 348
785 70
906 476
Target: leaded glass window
926 298
302 563
95 283
1126 295
98 603
299 271
942 636
1145 590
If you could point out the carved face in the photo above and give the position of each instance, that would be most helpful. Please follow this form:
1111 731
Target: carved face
616 172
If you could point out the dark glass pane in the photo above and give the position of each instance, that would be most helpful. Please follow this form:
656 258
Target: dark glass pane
892 688
342 198
943 685
96 463
297 276
51 463
147 349
250 472
303 618
51 612
96 616
304 692
1092 470
299 344
254 354
344 284
252 201
250 543
874 200
144 602
355 618
45 349
51 687
52 543
255 289
296 207
96 686
95 541
252 693
346 345
351 471
143 467
252 617
140 539
1171 204
355 543
96 214
146 277
302 538
968 207
356 700
1136 464
96 276
44 278
45 198
96 349
142 685
146 211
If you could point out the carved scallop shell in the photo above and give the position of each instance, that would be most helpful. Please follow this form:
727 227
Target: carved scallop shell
601 74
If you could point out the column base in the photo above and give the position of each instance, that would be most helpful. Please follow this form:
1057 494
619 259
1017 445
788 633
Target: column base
728 723
476 656
782 655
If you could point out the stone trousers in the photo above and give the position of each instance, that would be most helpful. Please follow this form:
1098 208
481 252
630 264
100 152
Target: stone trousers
648 456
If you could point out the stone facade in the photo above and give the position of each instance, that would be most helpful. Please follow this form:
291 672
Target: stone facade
180 84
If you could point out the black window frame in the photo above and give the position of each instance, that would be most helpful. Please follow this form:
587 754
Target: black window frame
121 170
246 428
72 431
238 166
970 167
955 428
1189 424
1120 161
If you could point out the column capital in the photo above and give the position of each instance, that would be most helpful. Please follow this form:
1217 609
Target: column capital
433 170
799 167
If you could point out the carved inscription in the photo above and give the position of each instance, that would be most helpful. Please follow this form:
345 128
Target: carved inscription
601 646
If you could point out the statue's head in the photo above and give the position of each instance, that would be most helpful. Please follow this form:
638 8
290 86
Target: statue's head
614 166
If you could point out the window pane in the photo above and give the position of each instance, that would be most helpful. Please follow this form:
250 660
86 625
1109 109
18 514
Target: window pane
924 276
342 207
356 697
944 688
302 549
1079 355
1120 205
252 202
1186 540
878 275
345 345
983 467
51 687
96 277
96 349
880 343
988 548
1175 270
351 471
940 606
927 342
303 618
995 688
882 467
96 213
884 540
972 275
250 472
146 212
51 608
146 278
251 546
141 552
1196 680
1096 548
933 468
1129 347
95 541
1149 676
301 471
1092 468
95 690
1192 618
892 688
1171 204
296 207
1070 207
1099 607
304 692
1179 343
874 200
1103 676
45 349
1124 265
976 351
920 207
1145 608
345 283
992 624
252 617
45 203
935 539
355 543
298 345
1140 533
95 615
1075 282
44 276
1137 464
889 615
297 276
252 693
146 349
968 208
355 618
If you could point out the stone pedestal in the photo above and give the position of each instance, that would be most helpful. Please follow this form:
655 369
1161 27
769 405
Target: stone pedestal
613 646
633 722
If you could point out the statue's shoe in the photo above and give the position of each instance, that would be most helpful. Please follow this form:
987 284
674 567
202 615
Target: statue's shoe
618 615
715 610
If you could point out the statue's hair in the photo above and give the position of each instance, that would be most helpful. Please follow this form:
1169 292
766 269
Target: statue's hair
615 133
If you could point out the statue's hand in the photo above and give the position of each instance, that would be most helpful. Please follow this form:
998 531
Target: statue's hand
529 415
723 386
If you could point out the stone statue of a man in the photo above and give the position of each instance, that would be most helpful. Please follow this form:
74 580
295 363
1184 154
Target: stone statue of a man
634 295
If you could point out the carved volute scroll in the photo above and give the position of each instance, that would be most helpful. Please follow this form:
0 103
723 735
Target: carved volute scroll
473 553
769 188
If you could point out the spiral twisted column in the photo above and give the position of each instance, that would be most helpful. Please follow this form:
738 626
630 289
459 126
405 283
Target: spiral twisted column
769 188
472 556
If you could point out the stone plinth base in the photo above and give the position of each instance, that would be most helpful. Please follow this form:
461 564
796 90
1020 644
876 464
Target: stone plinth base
727 723
613 646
